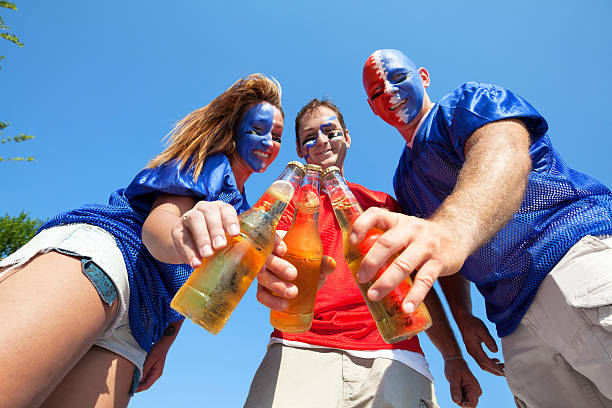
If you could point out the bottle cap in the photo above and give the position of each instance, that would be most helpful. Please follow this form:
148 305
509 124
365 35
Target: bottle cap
329 170
313 167
297 165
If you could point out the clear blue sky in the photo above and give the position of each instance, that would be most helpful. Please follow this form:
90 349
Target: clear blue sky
101 83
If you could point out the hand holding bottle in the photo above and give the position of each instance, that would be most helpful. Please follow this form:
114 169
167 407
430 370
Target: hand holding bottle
274 286
202 230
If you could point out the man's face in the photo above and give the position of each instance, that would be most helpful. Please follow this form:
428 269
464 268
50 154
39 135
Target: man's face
259 136
394 87
322 140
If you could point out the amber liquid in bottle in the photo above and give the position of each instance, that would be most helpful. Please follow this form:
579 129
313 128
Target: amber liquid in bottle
393 324
304 251
215 288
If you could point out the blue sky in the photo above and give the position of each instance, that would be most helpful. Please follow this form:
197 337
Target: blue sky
100 84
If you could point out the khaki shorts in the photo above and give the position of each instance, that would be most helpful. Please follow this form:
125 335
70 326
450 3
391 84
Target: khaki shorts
328 378
98 246
561 353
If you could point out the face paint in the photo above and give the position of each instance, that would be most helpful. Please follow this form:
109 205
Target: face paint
325 129
316 149
394 87
258 136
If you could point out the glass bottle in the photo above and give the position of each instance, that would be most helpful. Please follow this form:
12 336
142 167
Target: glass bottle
393 324
214 289
304 251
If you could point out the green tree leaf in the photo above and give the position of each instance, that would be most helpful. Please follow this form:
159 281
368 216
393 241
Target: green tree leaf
16 231
21 137
8 5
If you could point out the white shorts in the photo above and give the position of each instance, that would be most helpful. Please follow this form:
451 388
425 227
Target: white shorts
561 353
93 244
305 378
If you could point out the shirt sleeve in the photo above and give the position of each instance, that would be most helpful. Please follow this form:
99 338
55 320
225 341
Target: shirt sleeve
216 182
474 105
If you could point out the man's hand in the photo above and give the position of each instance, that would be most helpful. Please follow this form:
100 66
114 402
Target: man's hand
426 246
274 285
475 333
464 388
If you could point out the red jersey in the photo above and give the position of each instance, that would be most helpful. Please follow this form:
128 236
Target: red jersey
341 317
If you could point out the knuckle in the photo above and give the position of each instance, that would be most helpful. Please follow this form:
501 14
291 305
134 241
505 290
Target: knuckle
386 241
427 280
405 264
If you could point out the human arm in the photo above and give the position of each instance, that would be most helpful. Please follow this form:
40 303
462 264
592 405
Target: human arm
464 388
489 189
181 230
156 359
474 332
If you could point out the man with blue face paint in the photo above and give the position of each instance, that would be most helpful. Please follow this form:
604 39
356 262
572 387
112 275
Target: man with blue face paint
491 198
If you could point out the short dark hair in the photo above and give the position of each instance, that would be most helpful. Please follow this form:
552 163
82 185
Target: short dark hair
311 106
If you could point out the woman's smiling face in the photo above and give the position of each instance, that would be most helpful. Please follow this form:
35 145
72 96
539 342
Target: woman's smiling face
258 136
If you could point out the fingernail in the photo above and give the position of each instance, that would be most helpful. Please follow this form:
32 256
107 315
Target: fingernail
195 262
353 238
206 251
234 230
373 295
408 307
219 241
291 291
360 277
456 399
293 272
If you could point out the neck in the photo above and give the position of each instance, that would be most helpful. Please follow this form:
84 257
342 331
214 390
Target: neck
241 170
409 129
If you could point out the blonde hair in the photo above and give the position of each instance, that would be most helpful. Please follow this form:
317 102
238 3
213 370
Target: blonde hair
211 129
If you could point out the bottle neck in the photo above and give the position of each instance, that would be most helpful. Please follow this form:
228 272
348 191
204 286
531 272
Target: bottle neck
344 203
260 221
307 203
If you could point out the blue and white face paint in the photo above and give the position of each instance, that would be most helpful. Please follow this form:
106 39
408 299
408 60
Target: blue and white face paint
322 139
394 87
258 136
328 129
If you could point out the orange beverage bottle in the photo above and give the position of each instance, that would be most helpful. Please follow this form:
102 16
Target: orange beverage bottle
304 251
214 289
393 324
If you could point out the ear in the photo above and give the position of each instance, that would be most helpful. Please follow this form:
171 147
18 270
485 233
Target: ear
372 106
299 151
424 76
348 138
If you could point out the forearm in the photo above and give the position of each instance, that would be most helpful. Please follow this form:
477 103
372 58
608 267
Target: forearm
170 334
440 333
456 290
158 240
157 229
491 184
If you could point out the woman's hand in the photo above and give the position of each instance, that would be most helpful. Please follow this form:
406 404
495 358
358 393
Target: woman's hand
180 230
202 229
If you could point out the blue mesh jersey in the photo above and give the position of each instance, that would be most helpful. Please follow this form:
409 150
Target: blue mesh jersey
561 205
154 283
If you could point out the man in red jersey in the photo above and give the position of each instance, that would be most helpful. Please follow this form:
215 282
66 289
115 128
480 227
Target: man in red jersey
342 360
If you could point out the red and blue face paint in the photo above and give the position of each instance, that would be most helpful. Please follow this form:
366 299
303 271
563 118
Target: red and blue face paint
394 87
